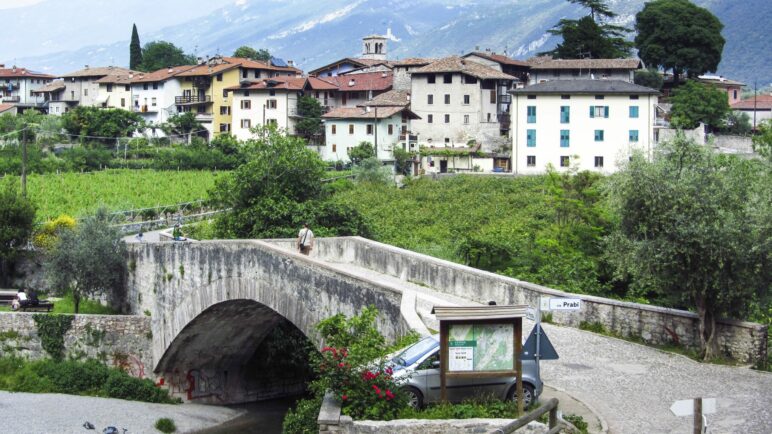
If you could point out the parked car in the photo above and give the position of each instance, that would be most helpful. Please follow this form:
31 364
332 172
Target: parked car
418 369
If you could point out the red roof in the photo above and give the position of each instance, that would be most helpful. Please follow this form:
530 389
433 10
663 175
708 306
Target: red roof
363 81
22 73
286 83
498 58
316 83
763 102
160 75
5 107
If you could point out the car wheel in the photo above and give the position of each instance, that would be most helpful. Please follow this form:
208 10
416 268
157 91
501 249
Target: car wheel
414 398
528 394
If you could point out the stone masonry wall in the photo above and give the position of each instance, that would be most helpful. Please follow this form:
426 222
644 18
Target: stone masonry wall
122 341
743 341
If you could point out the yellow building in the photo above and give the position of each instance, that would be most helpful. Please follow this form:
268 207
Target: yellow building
204 88
115 90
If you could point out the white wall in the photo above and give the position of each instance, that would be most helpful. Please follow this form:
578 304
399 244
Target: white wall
582 148
337 145
456 131
116 96
286 106
164 96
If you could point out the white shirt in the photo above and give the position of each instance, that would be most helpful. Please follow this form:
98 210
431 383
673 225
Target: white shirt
306 237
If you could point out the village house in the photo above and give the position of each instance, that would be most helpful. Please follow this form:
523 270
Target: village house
80 87
584 124
271 101
204 88
374 51
732 88
116 90
461 103
153 95
382 122
500 62
545 68
758 108
18 86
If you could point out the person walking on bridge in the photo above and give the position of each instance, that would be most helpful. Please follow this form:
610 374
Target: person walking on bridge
305 240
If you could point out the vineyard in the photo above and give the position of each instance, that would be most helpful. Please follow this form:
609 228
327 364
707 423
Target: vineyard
78 194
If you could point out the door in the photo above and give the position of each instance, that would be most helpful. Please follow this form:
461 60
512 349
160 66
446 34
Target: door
343 98
443 166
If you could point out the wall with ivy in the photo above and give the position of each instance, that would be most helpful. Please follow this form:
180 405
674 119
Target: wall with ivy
119 340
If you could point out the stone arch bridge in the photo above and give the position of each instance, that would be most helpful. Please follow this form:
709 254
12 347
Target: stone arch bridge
212 303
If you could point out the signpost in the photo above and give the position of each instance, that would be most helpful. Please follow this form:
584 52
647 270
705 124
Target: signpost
481 342
697 407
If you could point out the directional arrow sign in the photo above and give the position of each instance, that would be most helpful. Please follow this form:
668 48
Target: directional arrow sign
565 303
685 407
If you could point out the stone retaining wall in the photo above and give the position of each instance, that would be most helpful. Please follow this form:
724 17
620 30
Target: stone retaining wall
122 341
742 341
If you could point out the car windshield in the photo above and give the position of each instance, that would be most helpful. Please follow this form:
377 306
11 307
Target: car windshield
414 352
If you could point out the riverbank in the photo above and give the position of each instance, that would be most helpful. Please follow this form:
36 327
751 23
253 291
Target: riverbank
56 413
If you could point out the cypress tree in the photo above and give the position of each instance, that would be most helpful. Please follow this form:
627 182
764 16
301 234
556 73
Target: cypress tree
135 50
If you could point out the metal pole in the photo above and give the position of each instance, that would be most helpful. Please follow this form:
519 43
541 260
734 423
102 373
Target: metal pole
24 162
755 92
376 131
538 338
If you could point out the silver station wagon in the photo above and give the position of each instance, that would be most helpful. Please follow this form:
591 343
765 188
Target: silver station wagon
417 368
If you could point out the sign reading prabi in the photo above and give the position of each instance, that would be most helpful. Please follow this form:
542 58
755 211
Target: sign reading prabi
480 347
481 342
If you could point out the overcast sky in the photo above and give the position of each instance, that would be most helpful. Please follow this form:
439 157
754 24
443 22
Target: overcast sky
8 4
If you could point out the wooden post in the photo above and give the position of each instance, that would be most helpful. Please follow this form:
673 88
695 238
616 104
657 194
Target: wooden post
553 422
519 365
24 162
697 416
443 361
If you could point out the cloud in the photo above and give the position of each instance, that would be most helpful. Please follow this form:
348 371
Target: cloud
12 4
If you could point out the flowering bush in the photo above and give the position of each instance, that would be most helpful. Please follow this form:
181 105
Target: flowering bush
365 392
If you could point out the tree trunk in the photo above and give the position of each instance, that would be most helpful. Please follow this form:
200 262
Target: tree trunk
76 300
708 342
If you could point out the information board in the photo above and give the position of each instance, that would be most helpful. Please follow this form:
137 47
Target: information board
480 347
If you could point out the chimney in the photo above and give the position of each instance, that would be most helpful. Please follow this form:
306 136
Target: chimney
487 50
408 97
384 75
291 63
86 66
476 48
131 75
2 65
170 70
351 82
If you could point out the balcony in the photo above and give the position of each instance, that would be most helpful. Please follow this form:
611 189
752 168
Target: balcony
192 99
205 117
411 138
16 98
145 109
505 120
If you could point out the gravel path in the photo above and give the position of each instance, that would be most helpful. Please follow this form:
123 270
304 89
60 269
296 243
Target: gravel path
31 413
633 386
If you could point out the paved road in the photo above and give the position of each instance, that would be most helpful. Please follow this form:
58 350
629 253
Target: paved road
632 386
32 413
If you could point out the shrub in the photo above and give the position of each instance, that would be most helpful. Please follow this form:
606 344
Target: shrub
122 386
302 419
165 425
73 377
47 236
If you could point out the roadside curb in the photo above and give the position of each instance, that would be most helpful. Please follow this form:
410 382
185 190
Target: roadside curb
603 423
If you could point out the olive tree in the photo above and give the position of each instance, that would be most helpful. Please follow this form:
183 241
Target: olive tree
89 260
695 232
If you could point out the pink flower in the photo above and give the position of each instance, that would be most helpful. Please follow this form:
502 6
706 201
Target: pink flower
389 395
343 397
340 365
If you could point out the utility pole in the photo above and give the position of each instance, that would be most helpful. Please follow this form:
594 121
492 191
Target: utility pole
24 162
755 92
376 131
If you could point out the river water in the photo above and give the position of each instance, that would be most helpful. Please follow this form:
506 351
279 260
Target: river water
264 417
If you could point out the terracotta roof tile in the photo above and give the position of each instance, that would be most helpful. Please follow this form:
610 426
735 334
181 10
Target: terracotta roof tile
356 61
392 98
286 83
99 71
500 58
763 102
468 67
361 113
51 87
22 73
316 83
413 61
362 81
160 75
6 107
584 86
547 63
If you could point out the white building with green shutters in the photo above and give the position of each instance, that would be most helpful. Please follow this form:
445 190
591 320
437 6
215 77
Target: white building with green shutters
583 124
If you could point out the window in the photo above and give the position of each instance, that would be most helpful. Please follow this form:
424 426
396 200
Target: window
154 102
734 93
430 99
430 78
369 129
531 96
144 86
257 73
334 147
127 88
225 110
391 129
634 136
155 86
565 114
447 98
271 122
244 73
599 111
85 92
224 128
333 129
468 79
565 96
493 97
123 102
447 140
225 93
246 93
246 123
531 138
447 119
246 104
633 96
564 138
565 161
466 99
598 135
599 162
351 128
447 78
530 161
599 97
633 111
109 87
219 77
429 119
466 119
531 114
270 104
271 92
